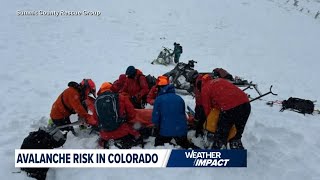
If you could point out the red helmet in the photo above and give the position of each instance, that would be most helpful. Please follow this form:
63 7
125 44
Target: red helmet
89 86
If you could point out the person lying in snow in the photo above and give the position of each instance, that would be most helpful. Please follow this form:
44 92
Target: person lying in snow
234 108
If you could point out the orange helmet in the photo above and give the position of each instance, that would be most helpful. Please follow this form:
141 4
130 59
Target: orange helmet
206 77
89 86
162 81
106 86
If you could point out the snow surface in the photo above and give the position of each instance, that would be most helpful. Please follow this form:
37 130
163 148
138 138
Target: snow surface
269 42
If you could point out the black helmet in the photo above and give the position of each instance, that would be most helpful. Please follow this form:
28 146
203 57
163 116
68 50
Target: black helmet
131 71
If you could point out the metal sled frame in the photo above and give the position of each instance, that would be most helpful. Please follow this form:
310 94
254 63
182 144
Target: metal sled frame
249 86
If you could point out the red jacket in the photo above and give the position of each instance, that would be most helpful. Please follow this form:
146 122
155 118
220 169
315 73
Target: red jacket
71 99
126 110
220 93
152 95
137 86
119 83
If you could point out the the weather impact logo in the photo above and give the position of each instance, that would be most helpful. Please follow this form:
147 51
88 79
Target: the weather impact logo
207 159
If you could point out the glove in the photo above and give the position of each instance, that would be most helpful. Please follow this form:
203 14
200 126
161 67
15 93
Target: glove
138 96
134 100
92 121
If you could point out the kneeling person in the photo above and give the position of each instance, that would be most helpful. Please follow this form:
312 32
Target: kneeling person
170 117
70 102
234 107
113 111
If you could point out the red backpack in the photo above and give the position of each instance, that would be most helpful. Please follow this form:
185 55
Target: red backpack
222 73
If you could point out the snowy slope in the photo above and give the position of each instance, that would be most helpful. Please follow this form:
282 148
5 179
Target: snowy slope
309 8
255 39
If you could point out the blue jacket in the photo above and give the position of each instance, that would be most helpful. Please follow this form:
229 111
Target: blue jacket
169 113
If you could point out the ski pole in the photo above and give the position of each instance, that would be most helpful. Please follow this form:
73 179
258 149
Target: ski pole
270 92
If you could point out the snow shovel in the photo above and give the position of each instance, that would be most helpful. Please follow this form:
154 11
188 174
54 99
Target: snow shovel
55 131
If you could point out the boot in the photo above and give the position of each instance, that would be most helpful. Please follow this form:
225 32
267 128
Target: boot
106 144
236 144
217 145
208 139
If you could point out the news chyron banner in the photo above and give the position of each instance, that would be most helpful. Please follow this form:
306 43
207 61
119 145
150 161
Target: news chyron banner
119 158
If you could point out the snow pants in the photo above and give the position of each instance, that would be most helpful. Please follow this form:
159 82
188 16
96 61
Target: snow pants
237 116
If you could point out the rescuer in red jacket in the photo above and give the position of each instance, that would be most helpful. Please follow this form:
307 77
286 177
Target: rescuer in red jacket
136 86
125 132
234 108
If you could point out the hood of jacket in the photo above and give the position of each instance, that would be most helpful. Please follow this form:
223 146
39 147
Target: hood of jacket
167 89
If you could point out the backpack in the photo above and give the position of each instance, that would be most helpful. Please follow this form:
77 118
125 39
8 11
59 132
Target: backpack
299 105
107 108
151 80
222 73
41 139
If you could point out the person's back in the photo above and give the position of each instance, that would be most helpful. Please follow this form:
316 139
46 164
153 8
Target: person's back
180 50
112 108
177 51
225 94
169 113
113 111
234 108
64 108
70 102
